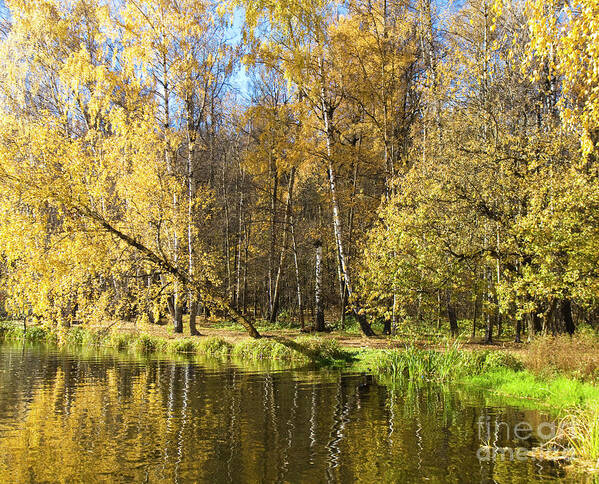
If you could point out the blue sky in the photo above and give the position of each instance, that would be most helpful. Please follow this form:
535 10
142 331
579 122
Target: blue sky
240 79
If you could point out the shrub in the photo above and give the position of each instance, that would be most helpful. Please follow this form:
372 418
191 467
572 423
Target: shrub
259 349
94 338
320 349
495 360
34 334
73 336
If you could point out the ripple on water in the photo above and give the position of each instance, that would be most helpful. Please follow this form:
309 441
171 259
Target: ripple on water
114 417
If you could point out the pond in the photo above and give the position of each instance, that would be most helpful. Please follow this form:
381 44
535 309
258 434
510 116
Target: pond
74 416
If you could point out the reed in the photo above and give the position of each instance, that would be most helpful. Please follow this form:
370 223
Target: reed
581 429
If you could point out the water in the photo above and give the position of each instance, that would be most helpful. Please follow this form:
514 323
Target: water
90 417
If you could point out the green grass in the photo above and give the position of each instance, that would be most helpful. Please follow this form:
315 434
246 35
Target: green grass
558 393
447 364
145 343
263 349
214 346
10 331
120 341
304 350
183 346
581 429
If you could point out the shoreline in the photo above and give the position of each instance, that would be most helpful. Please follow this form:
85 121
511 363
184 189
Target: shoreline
497 370
500 374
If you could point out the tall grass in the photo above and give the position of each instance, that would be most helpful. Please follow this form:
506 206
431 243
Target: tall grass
575 356
145 343
581 429
263 349
214 346
448 363
34 334
304 349
120 341
183 346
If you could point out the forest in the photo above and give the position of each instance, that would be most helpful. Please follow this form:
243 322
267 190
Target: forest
324 162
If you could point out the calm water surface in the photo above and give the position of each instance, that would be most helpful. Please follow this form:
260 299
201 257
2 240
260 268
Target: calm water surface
91 417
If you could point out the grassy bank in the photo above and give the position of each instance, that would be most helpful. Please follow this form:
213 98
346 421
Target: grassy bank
558 383
558 375
557 393
303 350
445 363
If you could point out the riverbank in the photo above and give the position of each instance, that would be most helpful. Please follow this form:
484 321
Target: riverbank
552 374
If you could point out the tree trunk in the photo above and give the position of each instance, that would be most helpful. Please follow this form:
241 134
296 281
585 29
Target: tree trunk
255 301
300 304
438 309
350 231
193 311
227 230
328 128
566 313
275 304
537 324
387 326
245 263
178 313
190 194
394 315
451 315
474 316
273 233
238 251
318 303
489 329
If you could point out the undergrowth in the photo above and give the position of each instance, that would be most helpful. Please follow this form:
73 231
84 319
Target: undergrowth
576 357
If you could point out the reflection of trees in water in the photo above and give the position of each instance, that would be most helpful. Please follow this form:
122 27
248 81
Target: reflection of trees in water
65 418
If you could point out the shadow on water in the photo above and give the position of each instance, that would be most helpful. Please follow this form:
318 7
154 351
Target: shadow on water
91 416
